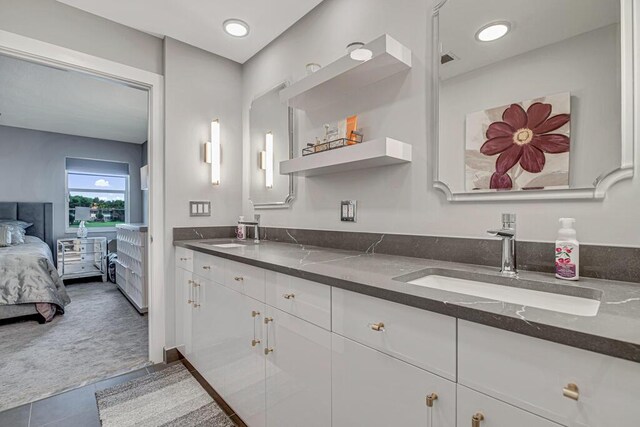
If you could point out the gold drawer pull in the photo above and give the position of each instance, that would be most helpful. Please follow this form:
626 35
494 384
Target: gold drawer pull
189 301
254 342
184 259
255 313
288 296
267 351
238 278
477 419
206 267
196 305
268 320
571 391
378 327
430 399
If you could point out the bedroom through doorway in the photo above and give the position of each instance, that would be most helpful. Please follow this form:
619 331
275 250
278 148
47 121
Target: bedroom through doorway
74 237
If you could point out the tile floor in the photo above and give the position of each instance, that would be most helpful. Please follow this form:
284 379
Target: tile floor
78 408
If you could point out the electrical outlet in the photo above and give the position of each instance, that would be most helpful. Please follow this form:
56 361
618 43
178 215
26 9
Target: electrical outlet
348 210
199 208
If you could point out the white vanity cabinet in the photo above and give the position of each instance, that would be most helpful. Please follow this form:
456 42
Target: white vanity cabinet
569 386
284 351
371 389
298 357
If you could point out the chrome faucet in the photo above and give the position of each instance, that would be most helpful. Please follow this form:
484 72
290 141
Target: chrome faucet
508 235
256 227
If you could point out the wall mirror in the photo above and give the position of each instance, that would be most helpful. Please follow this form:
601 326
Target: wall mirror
271 125
533 99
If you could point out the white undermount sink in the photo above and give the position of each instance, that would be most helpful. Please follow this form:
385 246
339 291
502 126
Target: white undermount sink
228 245
549 296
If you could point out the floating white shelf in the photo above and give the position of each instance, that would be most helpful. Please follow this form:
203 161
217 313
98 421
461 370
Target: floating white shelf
347 75
369 154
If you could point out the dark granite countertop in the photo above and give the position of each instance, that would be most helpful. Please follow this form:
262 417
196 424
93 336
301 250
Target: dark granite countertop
614 330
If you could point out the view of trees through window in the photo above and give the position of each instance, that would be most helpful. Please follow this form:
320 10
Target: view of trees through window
105 196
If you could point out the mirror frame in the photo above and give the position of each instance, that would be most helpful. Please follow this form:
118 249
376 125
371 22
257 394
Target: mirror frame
629 97
290 197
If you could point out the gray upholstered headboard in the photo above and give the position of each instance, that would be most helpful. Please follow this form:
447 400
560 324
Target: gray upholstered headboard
40 214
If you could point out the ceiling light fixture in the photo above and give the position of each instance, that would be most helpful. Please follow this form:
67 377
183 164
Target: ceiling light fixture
493 31
236 27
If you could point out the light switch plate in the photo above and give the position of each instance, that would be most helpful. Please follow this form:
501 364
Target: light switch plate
199 208
348 210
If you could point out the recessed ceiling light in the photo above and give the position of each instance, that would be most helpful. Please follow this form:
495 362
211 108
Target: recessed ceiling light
236 27
493 31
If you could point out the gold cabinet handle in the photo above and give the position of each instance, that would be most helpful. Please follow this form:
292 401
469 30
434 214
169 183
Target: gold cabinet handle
238 278
571 391
430 399
189 301
196 305
288 296
255 313
191 282
268 320
267 351
254 342
477 418
184 259
378 327
206 267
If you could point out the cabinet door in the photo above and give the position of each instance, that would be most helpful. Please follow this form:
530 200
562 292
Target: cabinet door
298 363
182 305
244 363
185 333
373 389
476 409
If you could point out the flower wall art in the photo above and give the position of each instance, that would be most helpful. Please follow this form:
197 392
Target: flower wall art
522 146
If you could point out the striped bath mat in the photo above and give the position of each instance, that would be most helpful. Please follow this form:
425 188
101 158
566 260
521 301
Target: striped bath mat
168 398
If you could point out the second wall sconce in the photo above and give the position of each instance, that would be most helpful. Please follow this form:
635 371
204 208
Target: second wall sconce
269 160
212 152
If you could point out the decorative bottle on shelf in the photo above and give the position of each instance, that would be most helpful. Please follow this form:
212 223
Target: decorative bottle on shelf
567 251
241 231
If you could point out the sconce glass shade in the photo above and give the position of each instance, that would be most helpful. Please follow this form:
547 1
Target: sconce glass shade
269 160
215 152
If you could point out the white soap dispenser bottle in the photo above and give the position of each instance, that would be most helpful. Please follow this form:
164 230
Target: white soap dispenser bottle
567 251
241 230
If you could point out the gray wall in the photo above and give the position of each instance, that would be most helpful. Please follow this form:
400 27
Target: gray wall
62 25
32 169
199 87
401 199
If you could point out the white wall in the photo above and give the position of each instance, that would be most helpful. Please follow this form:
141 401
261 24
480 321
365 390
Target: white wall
199 87
62 25
587 66
32 169
400 199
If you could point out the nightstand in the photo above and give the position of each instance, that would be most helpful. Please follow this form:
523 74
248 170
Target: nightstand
82 257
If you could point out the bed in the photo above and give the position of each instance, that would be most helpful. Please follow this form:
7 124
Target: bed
29 282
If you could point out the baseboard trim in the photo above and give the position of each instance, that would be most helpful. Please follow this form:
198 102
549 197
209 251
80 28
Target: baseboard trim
171 355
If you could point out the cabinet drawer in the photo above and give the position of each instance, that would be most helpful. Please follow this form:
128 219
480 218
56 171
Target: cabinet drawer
494 412
245 279
184 259
531 373
372 389
302 298
209 267
422 338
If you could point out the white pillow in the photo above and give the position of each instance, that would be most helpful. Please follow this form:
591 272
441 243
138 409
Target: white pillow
5 236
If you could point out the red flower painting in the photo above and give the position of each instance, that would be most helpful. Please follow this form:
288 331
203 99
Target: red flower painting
524 138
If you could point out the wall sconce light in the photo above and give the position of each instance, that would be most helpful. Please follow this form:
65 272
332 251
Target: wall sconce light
262 160
214 152
269 159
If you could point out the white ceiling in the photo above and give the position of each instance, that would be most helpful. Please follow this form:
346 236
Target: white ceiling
199 22
535 23
33 96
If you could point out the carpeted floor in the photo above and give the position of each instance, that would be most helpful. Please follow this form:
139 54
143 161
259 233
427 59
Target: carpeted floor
168 398
99 336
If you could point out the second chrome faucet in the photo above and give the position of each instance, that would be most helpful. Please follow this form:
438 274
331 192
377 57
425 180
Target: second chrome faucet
508 235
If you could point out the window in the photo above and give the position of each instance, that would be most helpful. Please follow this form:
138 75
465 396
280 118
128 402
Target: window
104 196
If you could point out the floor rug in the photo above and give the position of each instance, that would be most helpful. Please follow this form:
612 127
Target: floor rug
99 336
169 398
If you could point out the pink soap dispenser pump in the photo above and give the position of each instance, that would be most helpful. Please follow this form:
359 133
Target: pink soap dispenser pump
567 251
